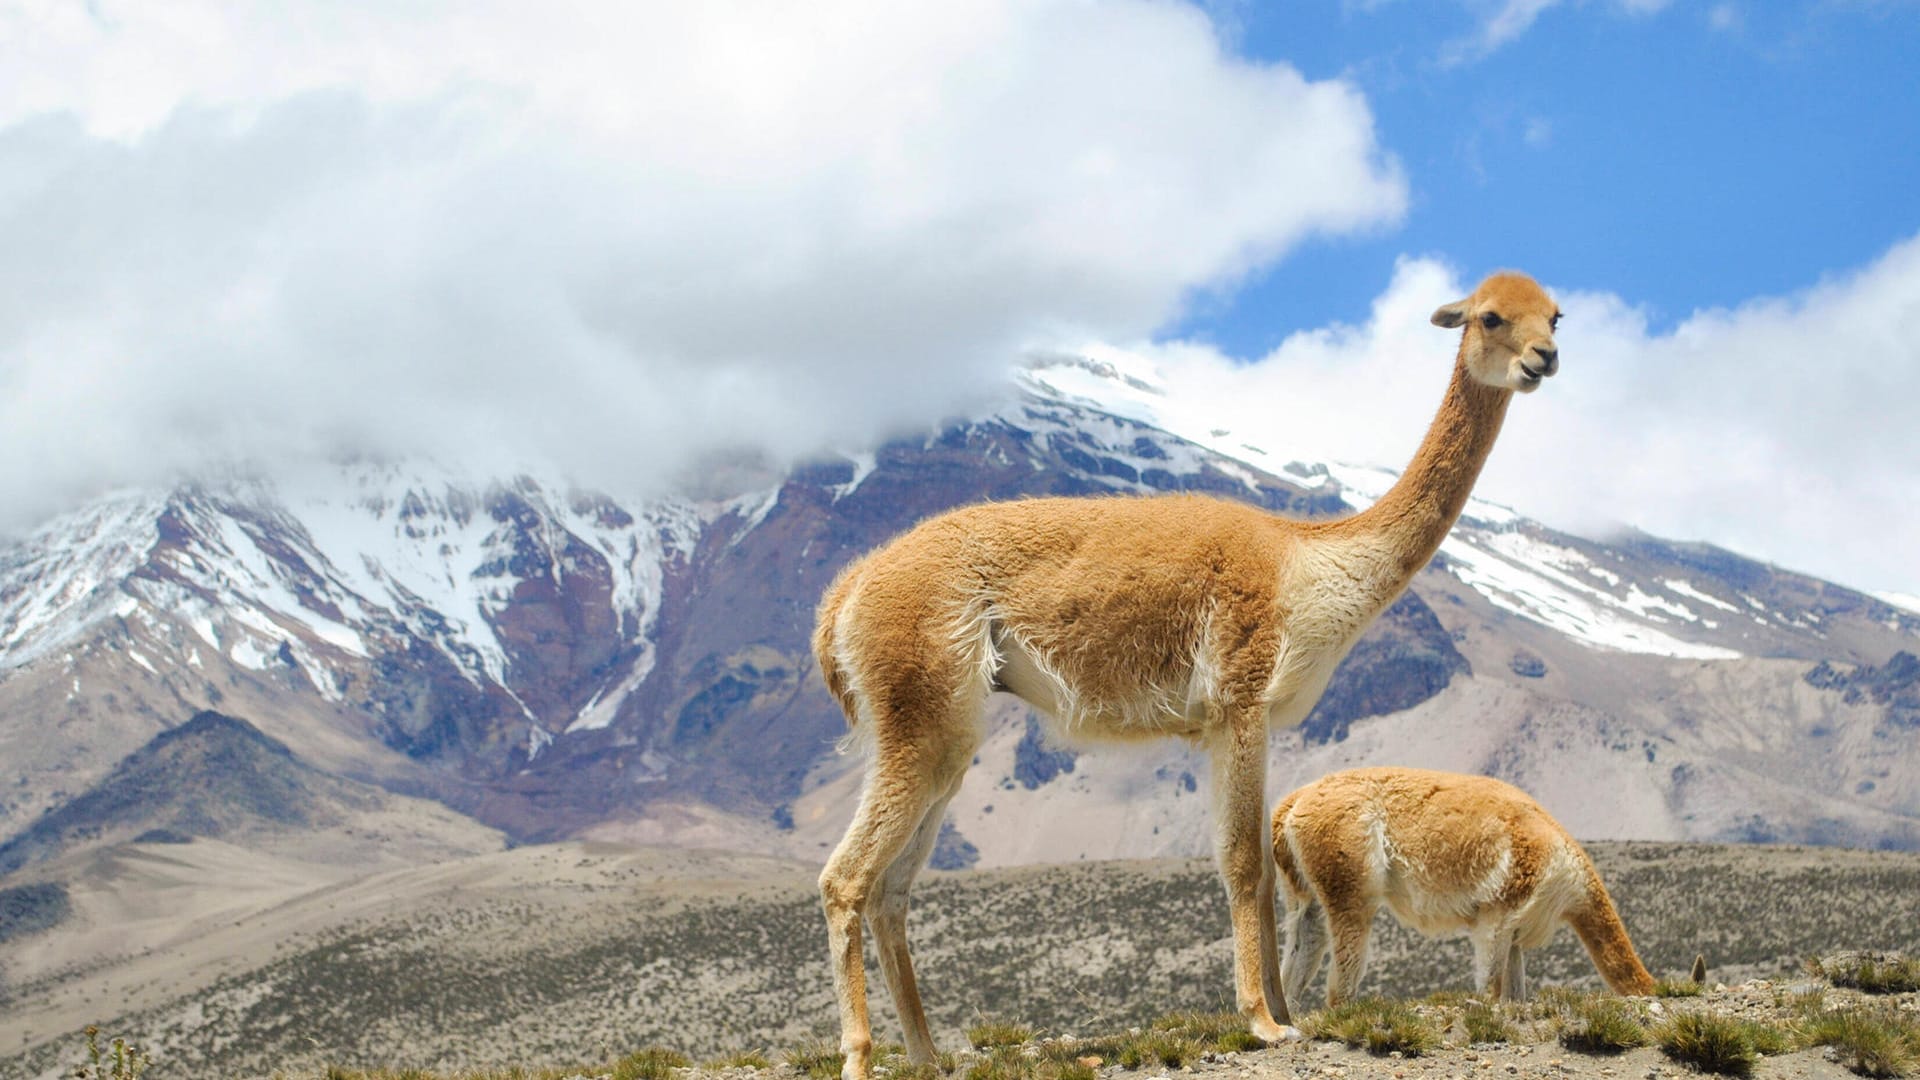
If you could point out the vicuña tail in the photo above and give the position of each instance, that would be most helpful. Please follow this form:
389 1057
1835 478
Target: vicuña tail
824 631
1601 931
1284 857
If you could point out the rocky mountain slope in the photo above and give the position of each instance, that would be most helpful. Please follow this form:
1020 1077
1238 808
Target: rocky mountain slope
218 777
557 663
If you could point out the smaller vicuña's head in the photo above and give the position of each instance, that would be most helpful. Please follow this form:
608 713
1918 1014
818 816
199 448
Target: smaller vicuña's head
1508 340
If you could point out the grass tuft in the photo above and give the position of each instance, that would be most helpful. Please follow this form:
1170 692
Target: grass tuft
1708 1042
1873 974
1018 1067
1602 1025
652 1063
1871 1042
819 1059
744 1059
1378 1026
991 1035
1486 1023
1675 988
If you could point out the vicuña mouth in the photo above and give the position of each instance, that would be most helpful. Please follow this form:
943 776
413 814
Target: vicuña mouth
1532 375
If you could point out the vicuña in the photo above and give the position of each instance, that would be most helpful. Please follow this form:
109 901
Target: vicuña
1129 619
1446 853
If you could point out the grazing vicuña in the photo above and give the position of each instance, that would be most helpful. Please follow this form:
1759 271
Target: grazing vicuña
1446 853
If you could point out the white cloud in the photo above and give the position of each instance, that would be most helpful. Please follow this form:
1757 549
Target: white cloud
1505 21
609 237
1783 428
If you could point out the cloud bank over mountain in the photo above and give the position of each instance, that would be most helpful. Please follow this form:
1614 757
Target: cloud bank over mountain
618 243
609 241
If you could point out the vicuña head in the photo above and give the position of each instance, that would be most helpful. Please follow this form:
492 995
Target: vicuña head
1508 341
1446 853
1126 619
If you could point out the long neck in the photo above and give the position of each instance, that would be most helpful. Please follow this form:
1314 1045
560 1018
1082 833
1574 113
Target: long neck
1412 518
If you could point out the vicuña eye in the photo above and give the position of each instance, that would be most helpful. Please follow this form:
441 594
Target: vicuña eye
1491 321
1554 323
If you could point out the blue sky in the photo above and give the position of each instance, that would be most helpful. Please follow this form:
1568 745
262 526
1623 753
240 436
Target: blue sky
1694 156
616 240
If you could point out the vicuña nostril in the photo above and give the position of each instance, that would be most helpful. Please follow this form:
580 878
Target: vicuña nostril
1549 359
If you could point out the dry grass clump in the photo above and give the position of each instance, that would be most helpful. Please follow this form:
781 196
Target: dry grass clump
1877 1042
1486 1023
1602 1025
1216 1032
743 1059
819 1058
652 1063
1676 988
1872 973
1377 1025
1021 1066
1170 1042
992 1034
1709 1042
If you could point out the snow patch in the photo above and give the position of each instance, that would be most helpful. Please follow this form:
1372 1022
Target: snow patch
1904 601
863 466
1528 579
1687 590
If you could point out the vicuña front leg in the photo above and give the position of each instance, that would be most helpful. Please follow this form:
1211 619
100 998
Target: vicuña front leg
1239 806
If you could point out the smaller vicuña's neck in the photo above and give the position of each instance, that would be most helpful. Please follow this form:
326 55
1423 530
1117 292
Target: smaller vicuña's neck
1412 519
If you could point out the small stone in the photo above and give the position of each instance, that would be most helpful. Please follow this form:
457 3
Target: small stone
1553 1063
1395 1055
1512 1068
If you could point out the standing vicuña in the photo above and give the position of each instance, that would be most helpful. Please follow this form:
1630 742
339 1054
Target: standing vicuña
1130 619
1445 853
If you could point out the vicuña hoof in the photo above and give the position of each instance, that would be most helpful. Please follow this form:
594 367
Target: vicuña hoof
1273 1034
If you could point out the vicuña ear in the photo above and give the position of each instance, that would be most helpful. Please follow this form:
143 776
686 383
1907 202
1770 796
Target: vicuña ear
1452 315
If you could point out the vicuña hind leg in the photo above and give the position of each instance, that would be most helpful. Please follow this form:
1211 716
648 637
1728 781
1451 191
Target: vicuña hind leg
887 916
1492 947
1350 926
1516 973
893 805
1239 804
1306 950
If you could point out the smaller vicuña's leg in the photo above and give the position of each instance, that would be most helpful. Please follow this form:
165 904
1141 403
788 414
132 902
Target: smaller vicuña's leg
1516 973
1306 950
1492 943
1349 926
887 915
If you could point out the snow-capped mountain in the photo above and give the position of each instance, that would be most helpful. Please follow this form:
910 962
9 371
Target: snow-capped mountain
554 662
